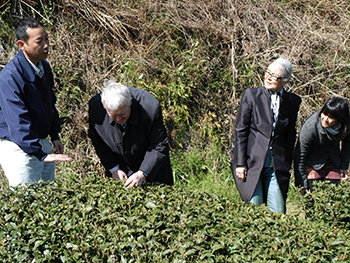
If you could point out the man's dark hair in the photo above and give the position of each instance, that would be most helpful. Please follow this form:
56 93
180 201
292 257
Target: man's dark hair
23 24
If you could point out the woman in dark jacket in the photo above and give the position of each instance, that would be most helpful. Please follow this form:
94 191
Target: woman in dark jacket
318 155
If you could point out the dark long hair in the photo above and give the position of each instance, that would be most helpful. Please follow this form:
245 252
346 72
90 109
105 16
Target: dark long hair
338 108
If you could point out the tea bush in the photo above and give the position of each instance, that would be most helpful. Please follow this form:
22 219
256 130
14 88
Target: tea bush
329 203
95 219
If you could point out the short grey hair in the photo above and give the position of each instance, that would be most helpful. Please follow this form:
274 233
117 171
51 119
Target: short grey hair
114 95
287 67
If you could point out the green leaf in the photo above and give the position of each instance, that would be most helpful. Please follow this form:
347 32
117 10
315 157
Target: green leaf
38 243
150 204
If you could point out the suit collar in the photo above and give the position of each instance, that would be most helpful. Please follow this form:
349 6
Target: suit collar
269 93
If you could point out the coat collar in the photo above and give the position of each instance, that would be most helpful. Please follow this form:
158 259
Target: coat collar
134 114
28 70
268 92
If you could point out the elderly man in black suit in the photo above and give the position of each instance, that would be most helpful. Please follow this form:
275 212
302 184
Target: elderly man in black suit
264 139
126 128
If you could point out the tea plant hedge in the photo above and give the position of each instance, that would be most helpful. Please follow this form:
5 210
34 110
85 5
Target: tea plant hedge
330 204
95 219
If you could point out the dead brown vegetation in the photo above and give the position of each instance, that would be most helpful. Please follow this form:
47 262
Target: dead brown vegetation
229 44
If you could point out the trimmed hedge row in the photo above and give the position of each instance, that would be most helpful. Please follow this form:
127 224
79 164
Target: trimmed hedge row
96 219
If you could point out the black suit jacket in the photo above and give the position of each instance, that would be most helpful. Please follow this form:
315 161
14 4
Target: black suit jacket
253 136
143 145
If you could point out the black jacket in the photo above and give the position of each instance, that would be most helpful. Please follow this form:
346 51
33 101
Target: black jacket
253 137
142 146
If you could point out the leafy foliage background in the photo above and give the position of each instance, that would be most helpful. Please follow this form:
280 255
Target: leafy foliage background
196 57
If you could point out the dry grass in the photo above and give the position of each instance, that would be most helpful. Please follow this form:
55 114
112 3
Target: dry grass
94 39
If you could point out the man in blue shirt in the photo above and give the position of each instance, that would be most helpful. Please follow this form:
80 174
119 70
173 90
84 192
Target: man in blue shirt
27 109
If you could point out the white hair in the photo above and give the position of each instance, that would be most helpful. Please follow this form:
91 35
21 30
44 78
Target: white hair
114 95
286 67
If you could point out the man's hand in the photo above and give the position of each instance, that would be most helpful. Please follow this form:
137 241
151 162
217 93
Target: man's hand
56 157
58 146
136 179
119 175
241 173
344 174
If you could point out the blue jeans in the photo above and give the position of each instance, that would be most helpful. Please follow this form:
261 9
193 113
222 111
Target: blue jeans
268 191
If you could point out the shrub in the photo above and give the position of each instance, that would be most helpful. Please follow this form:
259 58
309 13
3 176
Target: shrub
95 219
329 203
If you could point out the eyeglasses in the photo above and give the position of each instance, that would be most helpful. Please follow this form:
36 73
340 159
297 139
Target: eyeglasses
270 75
